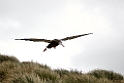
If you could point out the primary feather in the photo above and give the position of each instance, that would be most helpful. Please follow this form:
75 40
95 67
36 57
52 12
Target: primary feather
72 37
35 40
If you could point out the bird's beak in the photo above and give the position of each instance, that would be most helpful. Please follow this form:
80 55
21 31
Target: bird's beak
62 45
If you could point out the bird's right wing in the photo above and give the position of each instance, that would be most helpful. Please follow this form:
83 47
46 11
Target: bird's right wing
35 40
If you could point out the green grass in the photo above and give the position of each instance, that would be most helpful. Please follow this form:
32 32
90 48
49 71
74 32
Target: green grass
14 71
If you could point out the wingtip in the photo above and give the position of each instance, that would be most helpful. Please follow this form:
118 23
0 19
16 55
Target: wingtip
16 39
90 33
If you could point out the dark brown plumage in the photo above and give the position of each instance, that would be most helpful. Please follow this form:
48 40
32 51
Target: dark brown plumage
53 43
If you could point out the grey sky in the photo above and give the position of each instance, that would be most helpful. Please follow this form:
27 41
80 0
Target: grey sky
61 18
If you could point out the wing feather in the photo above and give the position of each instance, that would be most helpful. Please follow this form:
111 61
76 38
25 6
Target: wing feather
35 40
72 37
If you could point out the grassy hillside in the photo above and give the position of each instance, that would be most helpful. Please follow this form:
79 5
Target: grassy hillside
14 71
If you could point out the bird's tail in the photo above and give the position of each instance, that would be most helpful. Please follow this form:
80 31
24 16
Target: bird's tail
44 49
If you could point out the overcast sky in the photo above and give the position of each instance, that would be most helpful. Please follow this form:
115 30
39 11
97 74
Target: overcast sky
50 19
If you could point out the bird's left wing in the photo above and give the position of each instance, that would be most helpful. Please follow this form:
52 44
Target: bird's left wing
35 40
72 37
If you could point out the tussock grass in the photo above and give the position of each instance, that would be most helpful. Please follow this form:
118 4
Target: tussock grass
106 74
8 58
24 78
13 71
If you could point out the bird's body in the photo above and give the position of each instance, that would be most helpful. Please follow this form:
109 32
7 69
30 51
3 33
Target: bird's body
52 43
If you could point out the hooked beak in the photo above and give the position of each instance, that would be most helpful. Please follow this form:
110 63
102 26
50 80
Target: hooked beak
62 45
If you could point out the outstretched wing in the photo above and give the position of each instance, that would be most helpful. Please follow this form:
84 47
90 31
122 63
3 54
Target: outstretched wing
35 40
72 37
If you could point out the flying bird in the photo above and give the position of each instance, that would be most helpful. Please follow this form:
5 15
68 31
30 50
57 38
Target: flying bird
53 43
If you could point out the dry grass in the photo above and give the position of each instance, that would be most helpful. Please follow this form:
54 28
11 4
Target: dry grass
13 71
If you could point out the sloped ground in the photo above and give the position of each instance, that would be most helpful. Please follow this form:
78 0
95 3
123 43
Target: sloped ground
14 71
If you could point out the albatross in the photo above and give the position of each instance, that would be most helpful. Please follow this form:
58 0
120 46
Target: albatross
53 43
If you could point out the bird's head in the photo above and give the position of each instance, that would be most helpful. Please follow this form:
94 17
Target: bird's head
59 41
